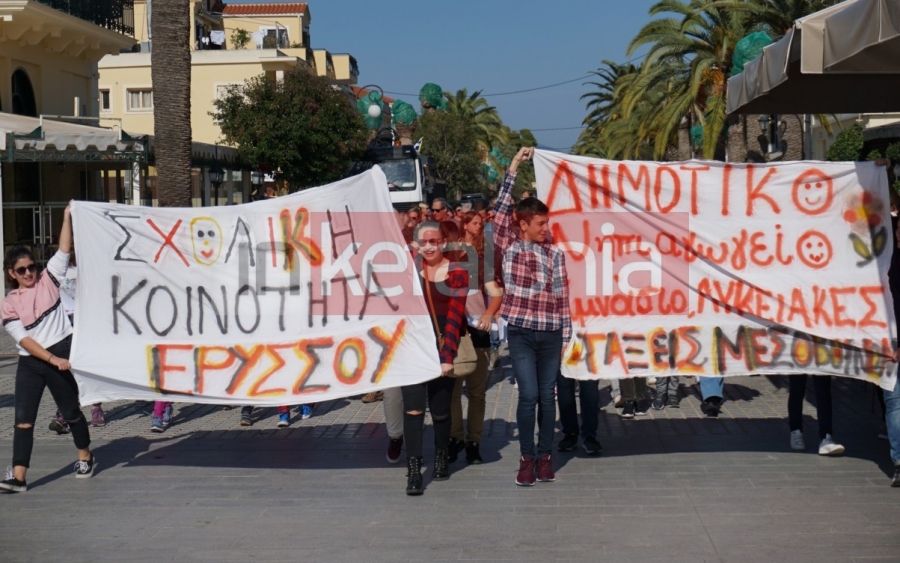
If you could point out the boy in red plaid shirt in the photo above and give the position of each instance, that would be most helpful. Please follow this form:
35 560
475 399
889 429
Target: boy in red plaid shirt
536 306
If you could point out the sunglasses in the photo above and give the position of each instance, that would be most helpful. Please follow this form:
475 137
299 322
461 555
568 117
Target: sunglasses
22 269
431 241
433 210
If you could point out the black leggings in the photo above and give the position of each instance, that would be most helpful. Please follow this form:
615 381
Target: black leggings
32 375
438 391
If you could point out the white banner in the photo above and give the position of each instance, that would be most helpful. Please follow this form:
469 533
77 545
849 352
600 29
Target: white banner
721 269
302 298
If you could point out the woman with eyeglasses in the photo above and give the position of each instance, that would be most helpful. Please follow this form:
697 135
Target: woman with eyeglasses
33 315
445 287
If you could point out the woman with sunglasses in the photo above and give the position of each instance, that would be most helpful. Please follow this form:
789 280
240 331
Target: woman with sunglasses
33 315
445 288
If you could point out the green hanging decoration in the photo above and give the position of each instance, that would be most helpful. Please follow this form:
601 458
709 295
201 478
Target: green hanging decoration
490 173
363 104
697 137
432 97
498 157
748 49
403 113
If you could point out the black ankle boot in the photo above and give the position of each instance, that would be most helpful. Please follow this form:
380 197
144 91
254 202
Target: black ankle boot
441 462
455 447
473 456
414 476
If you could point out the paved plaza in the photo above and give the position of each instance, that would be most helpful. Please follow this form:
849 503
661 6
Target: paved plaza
672 487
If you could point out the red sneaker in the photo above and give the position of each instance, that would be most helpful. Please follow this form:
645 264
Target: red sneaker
545 469
525 477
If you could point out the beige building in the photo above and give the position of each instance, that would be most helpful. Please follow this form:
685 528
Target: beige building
232 43
48 67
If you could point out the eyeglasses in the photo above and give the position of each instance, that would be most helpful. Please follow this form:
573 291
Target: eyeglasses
22 269
431 241
433 210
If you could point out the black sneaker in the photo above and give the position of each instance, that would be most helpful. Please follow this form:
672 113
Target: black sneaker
473 455
895 482
591 446
674 402
628 409
454 448
568 443
642 407
659 403
711 407
13 485
85 469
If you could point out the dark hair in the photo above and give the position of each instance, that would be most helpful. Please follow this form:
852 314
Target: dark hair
480 205
15 254
528 208
449 231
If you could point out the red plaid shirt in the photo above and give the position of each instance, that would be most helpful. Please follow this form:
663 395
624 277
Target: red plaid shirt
534 273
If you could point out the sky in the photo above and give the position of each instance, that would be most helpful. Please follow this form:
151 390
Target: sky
491 45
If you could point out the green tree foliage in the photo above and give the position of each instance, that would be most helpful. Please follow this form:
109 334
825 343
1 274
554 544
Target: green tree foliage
525 174
490 131
636 112
847 146
240 38
452 140
301 128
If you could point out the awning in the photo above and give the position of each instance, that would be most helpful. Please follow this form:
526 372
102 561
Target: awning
40 139
864 37
38 133
859 74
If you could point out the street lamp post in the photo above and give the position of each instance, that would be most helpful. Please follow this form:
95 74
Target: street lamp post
216 177
256 180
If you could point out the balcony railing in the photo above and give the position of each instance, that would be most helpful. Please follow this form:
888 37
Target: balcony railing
115 15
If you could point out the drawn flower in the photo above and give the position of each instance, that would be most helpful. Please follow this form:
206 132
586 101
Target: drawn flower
864 213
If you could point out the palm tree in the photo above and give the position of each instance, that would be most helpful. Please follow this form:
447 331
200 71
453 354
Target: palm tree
170 71
602 100
690 57
778 16
475 108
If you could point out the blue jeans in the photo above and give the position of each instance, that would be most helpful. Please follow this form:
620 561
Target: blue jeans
589 396
711 387
535 357
892 418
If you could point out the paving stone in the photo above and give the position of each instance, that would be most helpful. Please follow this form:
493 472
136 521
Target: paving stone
706 490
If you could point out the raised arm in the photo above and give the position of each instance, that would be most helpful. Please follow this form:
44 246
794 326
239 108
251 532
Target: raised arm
503 210
65 235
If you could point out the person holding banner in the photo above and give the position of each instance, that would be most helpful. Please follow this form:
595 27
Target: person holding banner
33 316
536 306
446 286
796 393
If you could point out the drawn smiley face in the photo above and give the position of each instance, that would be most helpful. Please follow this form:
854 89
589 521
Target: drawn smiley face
814 249
813 192
206 238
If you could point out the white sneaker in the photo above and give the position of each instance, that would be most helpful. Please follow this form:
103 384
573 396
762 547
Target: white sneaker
830 447
797 442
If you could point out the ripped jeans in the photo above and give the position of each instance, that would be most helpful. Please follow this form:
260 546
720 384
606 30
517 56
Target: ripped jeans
438 392
32 376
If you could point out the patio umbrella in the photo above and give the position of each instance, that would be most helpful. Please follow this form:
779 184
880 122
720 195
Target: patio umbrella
861 73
